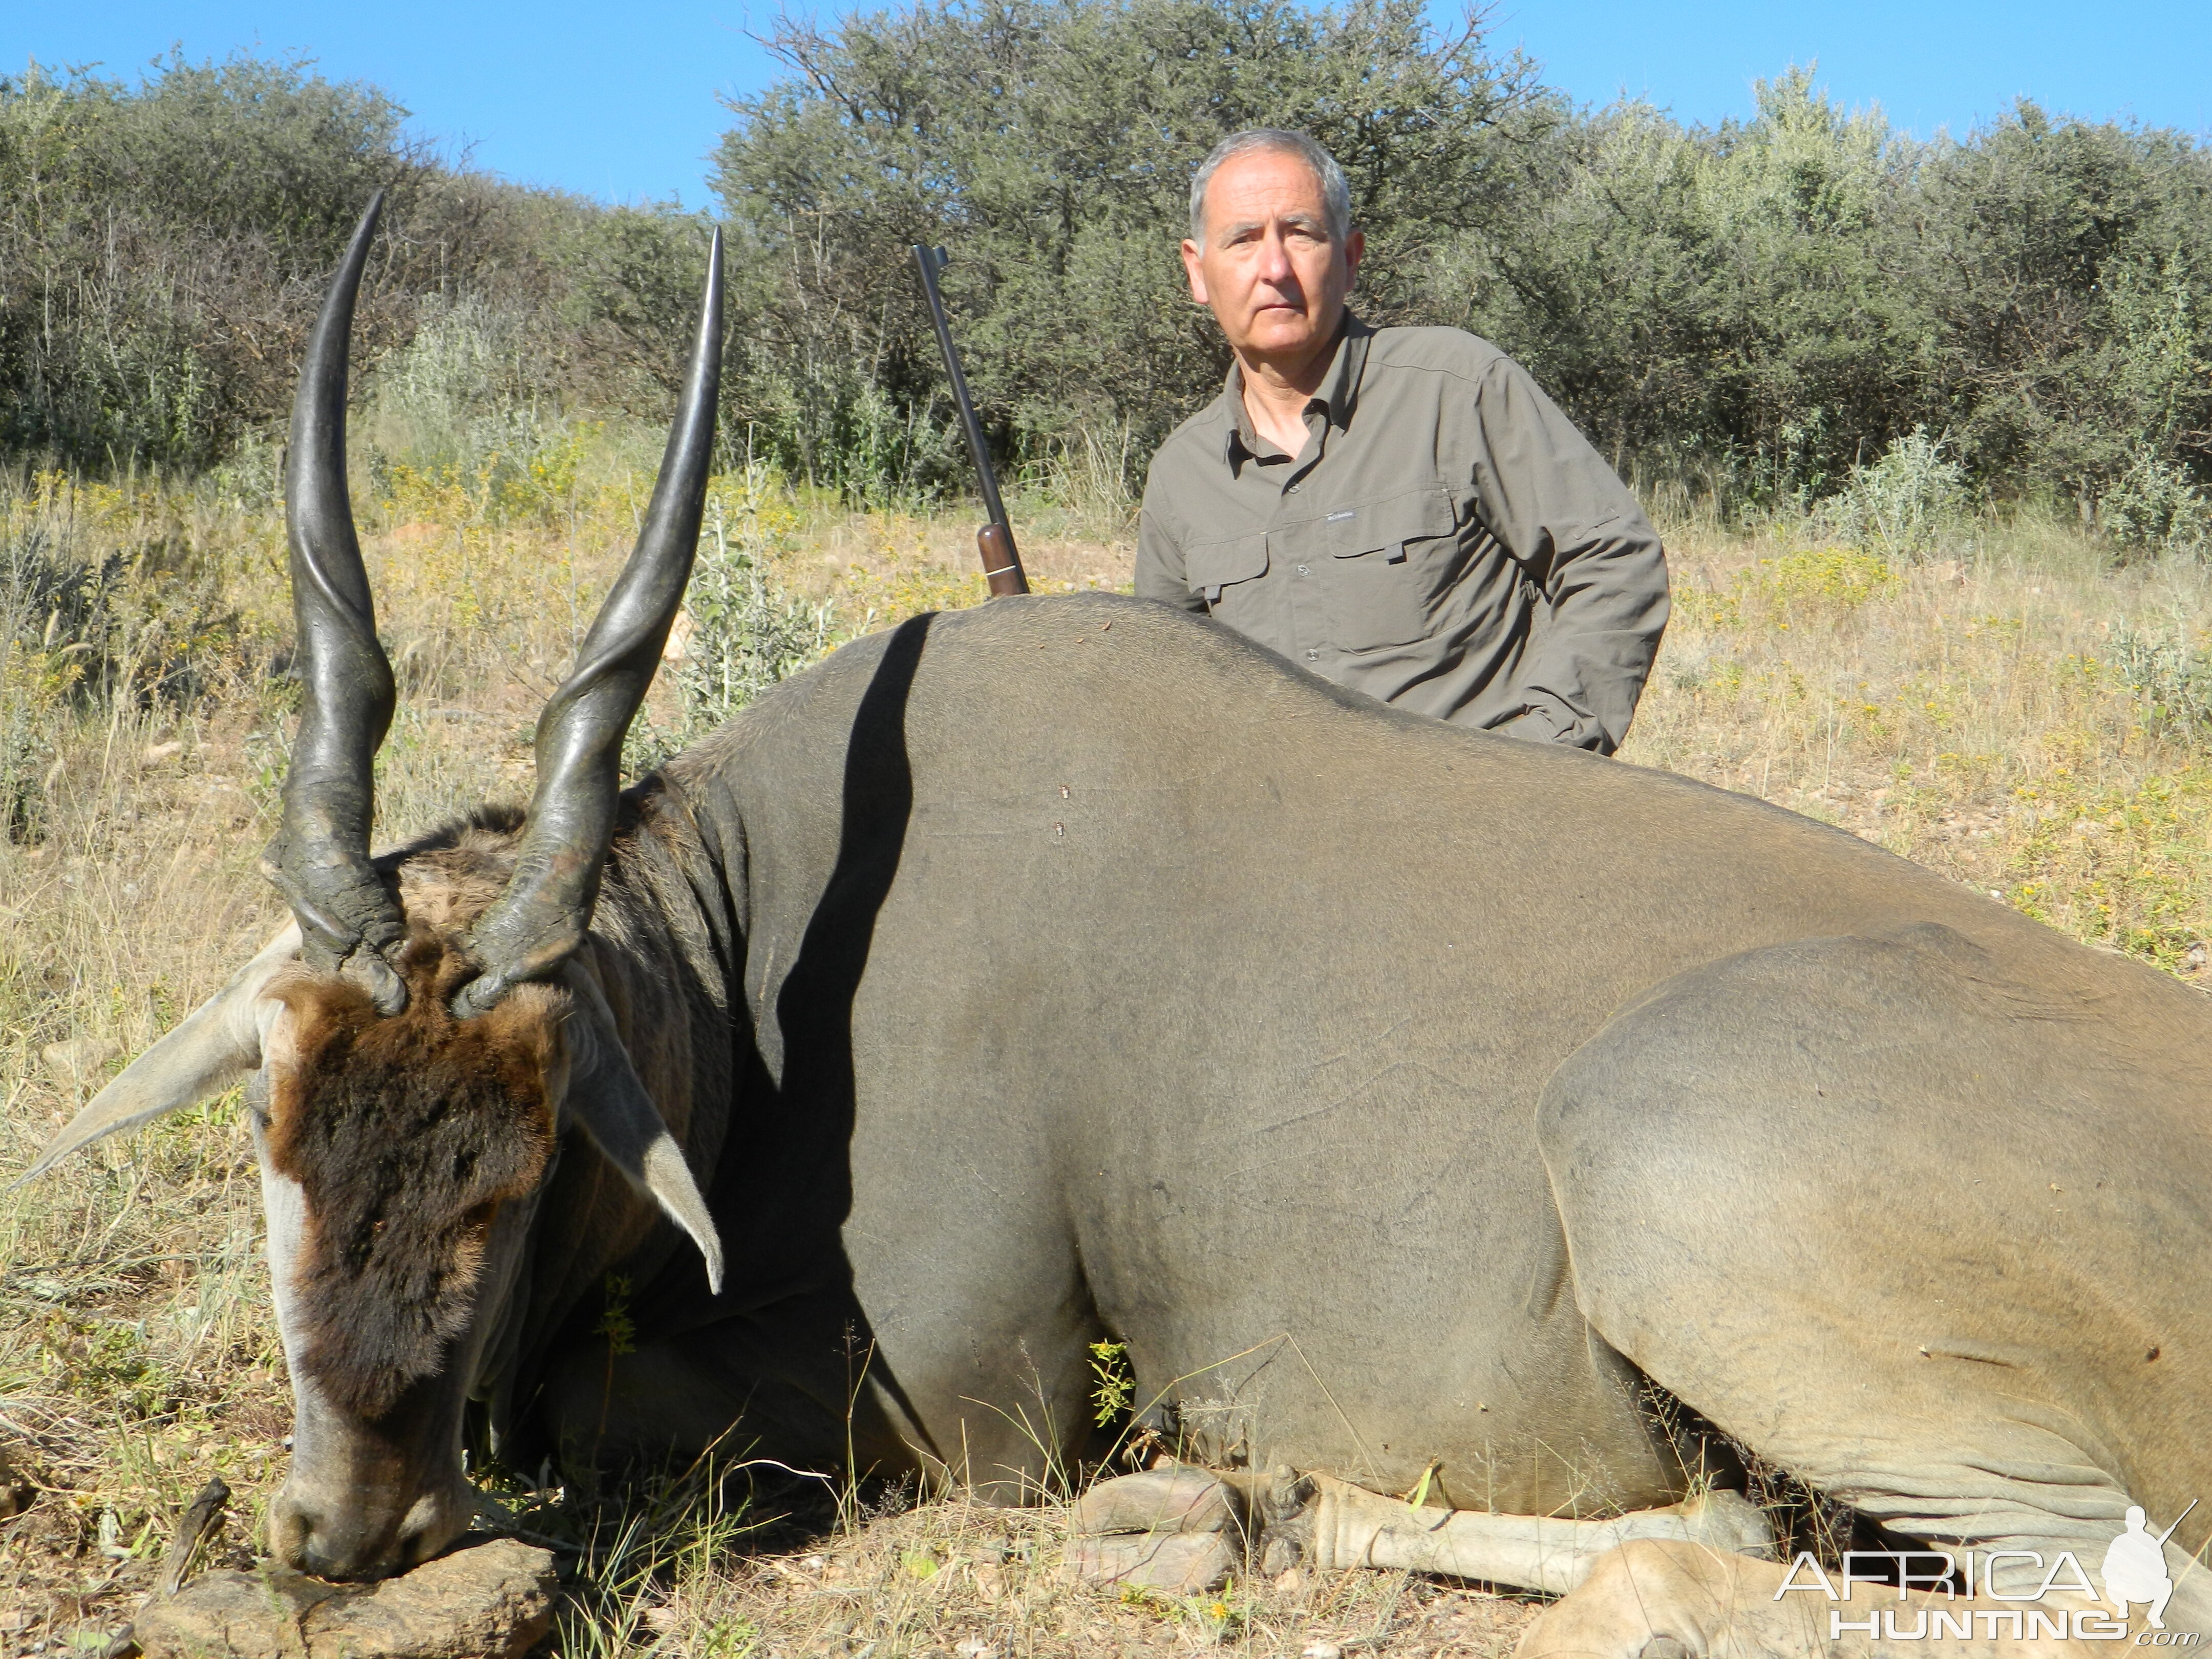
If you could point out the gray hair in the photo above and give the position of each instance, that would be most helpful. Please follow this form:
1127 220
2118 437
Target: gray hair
1335 193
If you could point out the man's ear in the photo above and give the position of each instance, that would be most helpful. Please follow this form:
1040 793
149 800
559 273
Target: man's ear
1355 250
214 1046
1194 270
607 1098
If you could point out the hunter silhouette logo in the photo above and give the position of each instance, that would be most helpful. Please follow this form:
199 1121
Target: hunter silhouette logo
2134 1566
2134 1572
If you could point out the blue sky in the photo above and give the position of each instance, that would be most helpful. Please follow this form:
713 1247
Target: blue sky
618 101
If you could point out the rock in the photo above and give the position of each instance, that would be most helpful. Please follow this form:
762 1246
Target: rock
492 1600
1177 1499
1174 1563
79 1060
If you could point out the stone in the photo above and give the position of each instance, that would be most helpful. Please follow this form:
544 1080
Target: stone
1173 1563
1176 1499
491 1601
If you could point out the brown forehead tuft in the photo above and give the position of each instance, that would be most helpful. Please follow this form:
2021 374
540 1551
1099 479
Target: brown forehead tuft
406 1136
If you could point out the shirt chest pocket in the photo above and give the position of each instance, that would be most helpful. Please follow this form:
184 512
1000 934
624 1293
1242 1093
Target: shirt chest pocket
1376 565
1225 575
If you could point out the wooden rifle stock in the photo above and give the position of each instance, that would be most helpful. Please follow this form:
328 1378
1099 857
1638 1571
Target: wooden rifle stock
1002 561
1002 566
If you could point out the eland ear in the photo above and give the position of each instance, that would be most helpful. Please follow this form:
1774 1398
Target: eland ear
608 1099
217 1044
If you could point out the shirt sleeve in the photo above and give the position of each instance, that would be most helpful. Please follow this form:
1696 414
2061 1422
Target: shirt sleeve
1569 522
1160 571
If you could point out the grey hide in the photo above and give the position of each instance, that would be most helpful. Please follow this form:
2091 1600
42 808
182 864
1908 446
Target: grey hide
1070 968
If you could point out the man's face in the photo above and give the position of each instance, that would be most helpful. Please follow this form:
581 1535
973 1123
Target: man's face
1270 272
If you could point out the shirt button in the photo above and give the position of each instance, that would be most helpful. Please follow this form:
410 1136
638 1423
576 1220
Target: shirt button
1293 489
1313 656
1304 571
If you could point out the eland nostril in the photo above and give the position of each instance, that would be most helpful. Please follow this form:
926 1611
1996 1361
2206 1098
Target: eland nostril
289 1532
435 1521
312 1542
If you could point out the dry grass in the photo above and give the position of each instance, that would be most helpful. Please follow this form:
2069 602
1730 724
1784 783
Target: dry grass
952 1577
1965 711
1971 713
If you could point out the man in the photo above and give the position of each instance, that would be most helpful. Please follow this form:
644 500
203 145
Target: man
1401 509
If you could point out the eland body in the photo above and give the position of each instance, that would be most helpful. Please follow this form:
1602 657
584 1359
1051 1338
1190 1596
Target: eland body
1422 1108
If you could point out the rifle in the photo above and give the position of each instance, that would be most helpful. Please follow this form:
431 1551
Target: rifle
2178 1520
1002 564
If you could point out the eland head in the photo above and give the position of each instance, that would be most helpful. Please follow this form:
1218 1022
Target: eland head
420 1039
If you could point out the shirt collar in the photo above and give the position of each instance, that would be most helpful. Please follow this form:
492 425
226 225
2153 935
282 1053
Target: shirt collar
1339 391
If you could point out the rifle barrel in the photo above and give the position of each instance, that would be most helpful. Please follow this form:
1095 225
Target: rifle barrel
1002 562
2178 1520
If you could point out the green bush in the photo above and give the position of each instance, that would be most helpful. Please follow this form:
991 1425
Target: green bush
2155 505
1769 313
1050 143
746 634
164 247
1903 502
1758 308
2171 678
149 238
1710 305
741 633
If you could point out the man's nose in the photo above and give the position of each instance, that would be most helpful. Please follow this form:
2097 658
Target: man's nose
1275 267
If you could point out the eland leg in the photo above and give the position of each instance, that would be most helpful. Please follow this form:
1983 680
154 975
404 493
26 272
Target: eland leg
1351 1527
1919 1232
1332 1525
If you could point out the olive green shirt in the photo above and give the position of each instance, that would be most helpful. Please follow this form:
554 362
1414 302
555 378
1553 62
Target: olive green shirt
1447 541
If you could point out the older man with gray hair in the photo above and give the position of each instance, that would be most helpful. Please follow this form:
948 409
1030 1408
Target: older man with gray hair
1401 509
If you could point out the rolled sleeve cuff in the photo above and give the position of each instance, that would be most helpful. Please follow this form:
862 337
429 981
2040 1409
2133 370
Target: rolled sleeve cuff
1548 720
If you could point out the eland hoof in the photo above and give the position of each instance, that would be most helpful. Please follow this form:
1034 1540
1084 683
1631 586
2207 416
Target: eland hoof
1171 1500
1178 1530
1173 1563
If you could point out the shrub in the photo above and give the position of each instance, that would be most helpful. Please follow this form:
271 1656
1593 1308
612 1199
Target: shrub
1900 504
747 632
1745 312
1050 144
164 247
147 624
740 632
2155 505
2171 678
